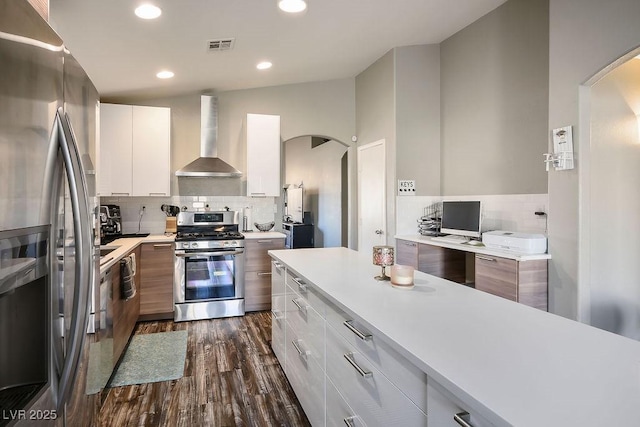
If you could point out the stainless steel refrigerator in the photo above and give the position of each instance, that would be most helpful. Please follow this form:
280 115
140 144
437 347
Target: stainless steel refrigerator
48 206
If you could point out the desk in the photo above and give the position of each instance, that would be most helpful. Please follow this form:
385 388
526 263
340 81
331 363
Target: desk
517 277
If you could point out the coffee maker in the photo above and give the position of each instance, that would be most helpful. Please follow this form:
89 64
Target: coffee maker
110 223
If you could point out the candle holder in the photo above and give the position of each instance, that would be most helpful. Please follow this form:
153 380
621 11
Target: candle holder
383 256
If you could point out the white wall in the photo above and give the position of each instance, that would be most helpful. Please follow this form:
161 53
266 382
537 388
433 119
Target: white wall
494 96
512 212
376 120
317 108
319 169
154 220
614 178
417 93
585 37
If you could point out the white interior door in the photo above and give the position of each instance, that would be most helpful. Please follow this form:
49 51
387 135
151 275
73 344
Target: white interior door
371 196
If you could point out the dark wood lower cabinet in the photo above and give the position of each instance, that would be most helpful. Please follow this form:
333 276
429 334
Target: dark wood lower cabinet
156 275
442 262
523 281
257 277
125 312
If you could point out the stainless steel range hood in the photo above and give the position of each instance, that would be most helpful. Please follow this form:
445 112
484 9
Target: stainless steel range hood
208 164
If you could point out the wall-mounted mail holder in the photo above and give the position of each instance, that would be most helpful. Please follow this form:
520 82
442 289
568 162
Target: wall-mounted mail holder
562 157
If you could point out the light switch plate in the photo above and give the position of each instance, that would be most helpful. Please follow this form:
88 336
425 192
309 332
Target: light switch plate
406 187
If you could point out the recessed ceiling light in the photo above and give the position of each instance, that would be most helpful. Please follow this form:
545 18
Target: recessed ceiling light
148 11
292 6
264 65
165 74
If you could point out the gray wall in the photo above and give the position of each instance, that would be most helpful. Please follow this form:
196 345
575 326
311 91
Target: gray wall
320 170
376 120
417 86
615 202
585 36
494 96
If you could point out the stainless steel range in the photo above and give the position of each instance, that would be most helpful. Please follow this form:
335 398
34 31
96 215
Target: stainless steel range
209 266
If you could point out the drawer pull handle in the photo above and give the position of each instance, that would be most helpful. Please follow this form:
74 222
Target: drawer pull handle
277 265
352 362
350 421
163 245
302 287
265 241
362 335
486 258
463 418
301 353
409 244
301 308
276 315
268 273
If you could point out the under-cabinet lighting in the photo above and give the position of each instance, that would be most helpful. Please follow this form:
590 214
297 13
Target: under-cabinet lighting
165 74
292 6
264 65
148 11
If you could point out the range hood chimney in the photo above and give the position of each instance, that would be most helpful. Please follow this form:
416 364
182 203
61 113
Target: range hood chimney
208 164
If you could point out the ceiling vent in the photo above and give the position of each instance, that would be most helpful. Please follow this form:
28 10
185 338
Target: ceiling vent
220 44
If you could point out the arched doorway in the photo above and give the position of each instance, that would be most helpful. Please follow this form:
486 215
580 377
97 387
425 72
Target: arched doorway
609 272
320 164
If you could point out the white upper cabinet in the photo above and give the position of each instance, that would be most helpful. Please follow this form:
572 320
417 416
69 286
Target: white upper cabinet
263 155
135 151
114 161
151 151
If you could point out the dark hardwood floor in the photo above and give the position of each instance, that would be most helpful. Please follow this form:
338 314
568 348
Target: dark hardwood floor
231 378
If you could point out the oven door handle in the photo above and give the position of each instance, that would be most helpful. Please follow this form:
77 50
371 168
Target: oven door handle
206 254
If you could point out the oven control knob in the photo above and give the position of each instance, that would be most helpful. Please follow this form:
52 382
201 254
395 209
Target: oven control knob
194 245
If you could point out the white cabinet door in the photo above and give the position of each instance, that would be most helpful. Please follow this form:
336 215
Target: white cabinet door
151 151
263 155
278 298
135 151
114 161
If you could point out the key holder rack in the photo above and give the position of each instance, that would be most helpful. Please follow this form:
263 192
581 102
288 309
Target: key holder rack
562 156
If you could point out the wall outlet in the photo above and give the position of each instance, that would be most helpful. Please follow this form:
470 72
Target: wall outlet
406 187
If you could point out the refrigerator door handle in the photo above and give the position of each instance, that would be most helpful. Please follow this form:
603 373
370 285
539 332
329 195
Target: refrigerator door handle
52 180
83 254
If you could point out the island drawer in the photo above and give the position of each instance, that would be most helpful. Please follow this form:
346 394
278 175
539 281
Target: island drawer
372 396
278 302
306 378
278 327
308 325
339 413
306 291
404 374
278 285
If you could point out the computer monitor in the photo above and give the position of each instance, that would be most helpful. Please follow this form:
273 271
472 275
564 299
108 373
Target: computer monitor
461 217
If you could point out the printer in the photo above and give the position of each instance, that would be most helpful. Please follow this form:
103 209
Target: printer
511 241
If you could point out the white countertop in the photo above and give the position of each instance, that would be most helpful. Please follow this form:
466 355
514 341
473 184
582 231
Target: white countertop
126 245
263 235
513 364
470 248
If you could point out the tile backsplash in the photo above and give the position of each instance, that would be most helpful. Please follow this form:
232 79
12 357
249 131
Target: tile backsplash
512 212
154 219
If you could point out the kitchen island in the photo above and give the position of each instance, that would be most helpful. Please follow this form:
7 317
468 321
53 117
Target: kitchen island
502 362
